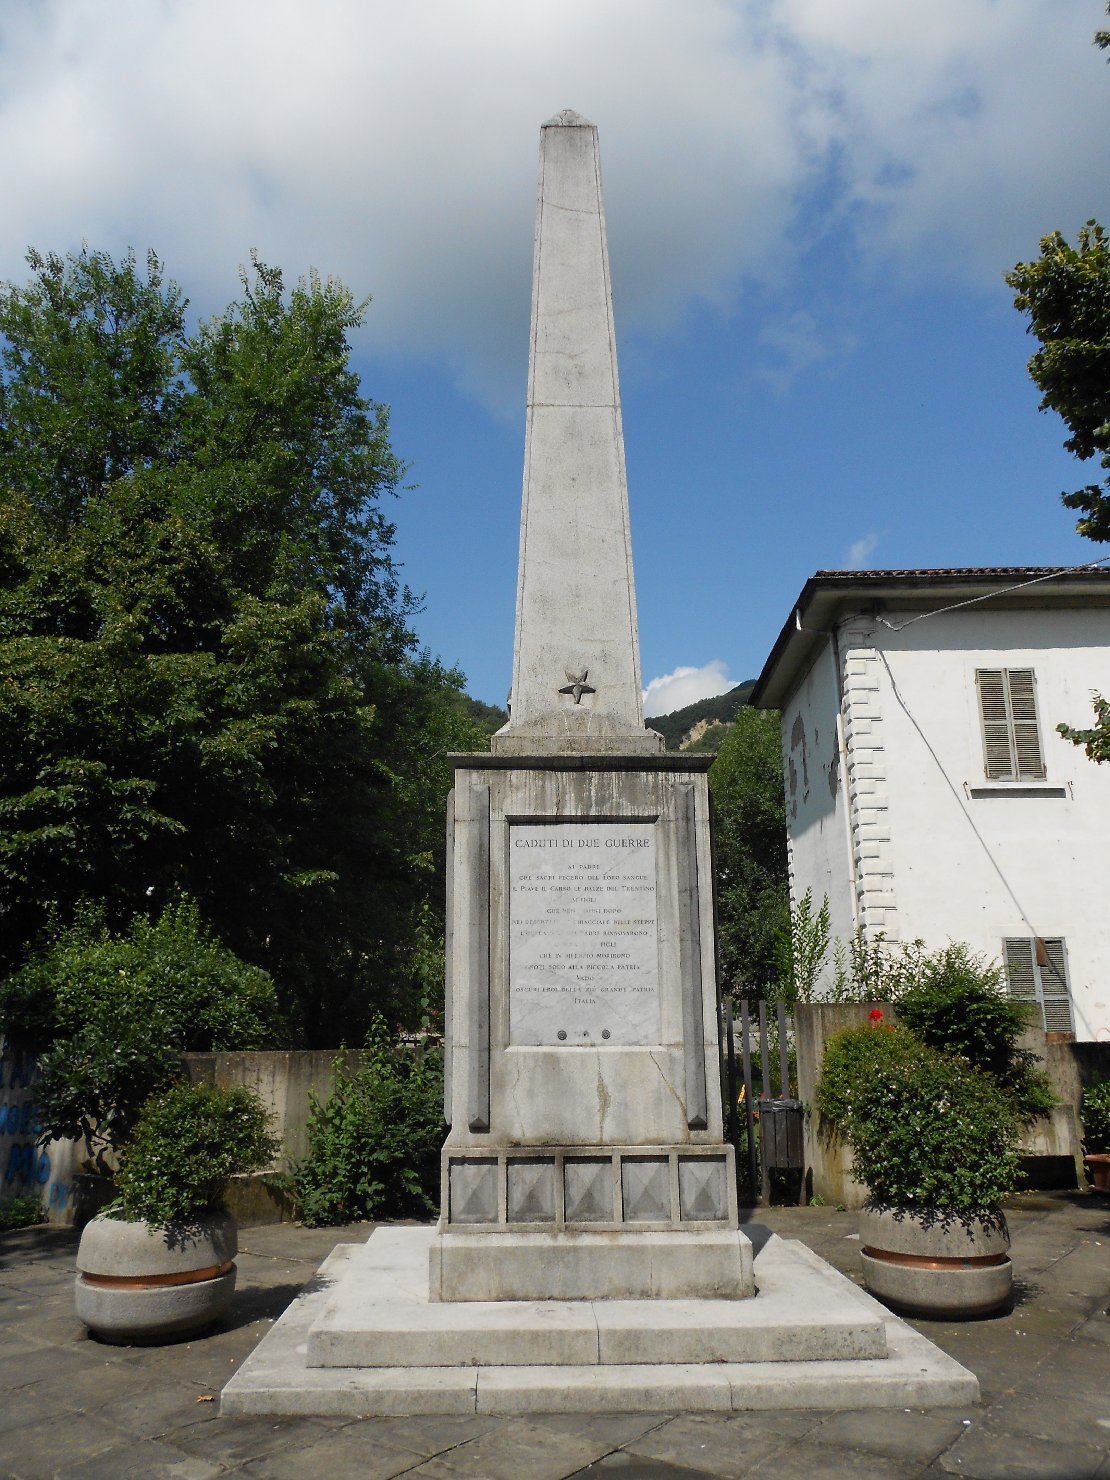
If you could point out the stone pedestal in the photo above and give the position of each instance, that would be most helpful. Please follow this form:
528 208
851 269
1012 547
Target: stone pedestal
585 1158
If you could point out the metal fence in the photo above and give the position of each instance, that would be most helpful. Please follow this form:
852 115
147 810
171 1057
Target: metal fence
766 1129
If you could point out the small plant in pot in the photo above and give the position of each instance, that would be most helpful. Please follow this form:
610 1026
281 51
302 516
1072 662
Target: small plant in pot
1096 1133
935 1140
160 1261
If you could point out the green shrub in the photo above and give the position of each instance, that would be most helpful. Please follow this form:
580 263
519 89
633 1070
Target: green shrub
116 1012
936 1135
853 1058
872 970
374 1144
798 951
186 1145
21 1212
1096 1117
926 1129
959 1005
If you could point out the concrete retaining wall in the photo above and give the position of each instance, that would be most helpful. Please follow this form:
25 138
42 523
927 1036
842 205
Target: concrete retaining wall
284 1082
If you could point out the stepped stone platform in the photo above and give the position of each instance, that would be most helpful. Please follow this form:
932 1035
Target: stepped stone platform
364 1339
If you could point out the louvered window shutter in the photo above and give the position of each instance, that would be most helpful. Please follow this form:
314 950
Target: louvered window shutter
1011 737
1054 984
996 724
1040 977
1021 975
1023 709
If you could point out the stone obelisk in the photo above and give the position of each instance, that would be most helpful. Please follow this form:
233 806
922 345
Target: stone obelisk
586 1157
588 1255
576 666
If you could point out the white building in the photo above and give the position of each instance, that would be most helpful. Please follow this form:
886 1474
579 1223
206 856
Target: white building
928 794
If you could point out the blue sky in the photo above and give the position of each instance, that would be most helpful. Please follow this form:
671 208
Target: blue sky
811 204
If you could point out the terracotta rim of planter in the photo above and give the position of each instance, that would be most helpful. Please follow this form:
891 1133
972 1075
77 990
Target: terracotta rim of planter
153 1281
921 1261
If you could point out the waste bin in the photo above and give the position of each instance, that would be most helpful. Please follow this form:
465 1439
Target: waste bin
780 1135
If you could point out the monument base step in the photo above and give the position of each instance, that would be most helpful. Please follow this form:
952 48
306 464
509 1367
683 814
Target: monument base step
504 1265
277 1378
380 1316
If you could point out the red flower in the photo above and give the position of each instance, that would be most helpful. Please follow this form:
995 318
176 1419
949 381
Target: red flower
875 1015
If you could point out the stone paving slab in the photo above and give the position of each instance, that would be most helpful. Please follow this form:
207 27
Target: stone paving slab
1045 1413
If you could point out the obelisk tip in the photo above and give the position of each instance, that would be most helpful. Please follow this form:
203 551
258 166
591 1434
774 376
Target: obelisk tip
568 118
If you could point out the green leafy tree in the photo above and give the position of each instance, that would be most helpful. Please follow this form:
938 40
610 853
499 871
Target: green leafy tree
212 686
750 832
1066 294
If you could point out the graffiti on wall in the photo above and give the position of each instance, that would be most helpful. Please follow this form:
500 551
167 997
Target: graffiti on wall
25 1165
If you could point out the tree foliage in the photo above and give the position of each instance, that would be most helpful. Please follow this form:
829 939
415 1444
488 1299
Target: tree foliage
115 1012
212 685
750 832
1066 294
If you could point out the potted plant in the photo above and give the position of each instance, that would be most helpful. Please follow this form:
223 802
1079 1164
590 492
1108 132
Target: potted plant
109 1015
935 1140
1096 1133
160 1261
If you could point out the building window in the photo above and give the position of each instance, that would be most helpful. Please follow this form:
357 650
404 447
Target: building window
1011 737
1037 971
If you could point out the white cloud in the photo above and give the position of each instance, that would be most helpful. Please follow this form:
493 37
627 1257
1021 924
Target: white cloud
860 552
962 129
686 686
396 145
796 343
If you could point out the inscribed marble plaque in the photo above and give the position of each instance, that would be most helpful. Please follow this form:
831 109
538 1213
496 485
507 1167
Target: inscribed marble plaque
583 956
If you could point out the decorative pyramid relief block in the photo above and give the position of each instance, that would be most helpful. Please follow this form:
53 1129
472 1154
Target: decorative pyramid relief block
702 1192
588 1190
646 1187
531 1191
474 1191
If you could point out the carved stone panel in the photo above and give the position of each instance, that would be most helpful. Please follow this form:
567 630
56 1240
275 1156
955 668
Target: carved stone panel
646 1189
530 1186
473 1191
702 1190
588 1190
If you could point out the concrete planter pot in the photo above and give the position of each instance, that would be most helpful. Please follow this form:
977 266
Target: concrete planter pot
938 1270
1098 1169
135 1284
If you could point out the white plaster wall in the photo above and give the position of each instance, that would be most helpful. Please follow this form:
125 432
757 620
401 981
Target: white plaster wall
980 869
816 801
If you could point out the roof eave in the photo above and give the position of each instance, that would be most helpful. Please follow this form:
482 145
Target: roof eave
827 595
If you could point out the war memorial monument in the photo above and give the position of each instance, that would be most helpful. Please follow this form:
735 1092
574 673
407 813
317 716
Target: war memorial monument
589 1253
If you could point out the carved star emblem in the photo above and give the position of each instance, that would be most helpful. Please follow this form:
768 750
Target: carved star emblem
577 685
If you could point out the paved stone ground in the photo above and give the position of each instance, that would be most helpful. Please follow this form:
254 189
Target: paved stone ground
72 1407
